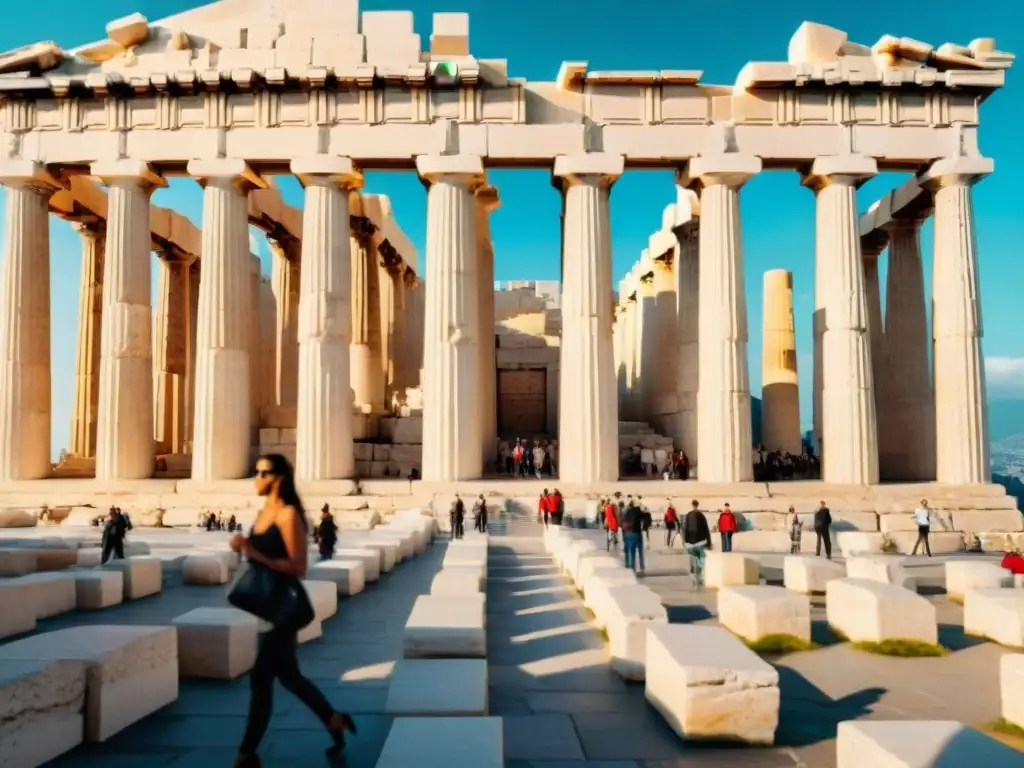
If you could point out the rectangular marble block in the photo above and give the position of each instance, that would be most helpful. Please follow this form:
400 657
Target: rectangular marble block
403 540
730 569
885 569
708 685
347 575
458 580
324 597
755 612
387 550
866 610
89 556
446 627
40 710
17 611
17 562
420 537
996 614
143 575
1011 687
809 575
964 575
632 610
458 553
51 593
216 643
592 561
573 553
130 671
918 744
97 589
438 687
599 596
204 570
368 557
444 742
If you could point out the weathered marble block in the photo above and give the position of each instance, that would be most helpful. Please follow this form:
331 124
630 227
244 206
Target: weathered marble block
51 593
708 685
130 671
438 687
17 611
403 540
40 711
885 569
852 543
754 612
216 643
1011 687
917 743
940 542
324 597
368 557
143 575
230 559
387 550
441 626
55 558
997 614
730 569
810 575
761 541
444 742
964 575
595 588
17 562
89 556
459 580
598 595
402 528
574 552
204 570
136 549
592 561
870 611
347 575
97 589
463 556
631 611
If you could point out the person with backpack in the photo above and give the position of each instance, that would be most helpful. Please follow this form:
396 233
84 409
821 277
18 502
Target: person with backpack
646 520
822 529
611 525
114 532
696 540
726 527
632 537
671 521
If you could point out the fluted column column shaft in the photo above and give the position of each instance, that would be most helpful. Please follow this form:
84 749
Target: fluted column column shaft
125 445
399 338
87 351
487 202
451 386
386 299
588 424
961 404
780 399
849 426
285 280
324 425
223 415
25 324
688 313
365 349
193 322
171 356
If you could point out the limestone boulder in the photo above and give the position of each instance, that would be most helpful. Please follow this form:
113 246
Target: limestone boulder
730 569
866 610
809 575
204 570
913 743
18 518
754 612
444 626
41 706
1011 687
216 643
964 575
996 614
708 685
98 589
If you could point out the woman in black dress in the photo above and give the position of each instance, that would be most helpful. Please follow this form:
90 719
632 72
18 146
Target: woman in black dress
278 541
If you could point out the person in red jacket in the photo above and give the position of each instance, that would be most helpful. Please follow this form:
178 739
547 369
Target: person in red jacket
1014 563
611 524
671 523
726 527
544 506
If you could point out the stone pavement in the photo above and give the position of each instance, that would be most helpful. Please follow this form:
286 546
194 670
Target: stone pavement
561 704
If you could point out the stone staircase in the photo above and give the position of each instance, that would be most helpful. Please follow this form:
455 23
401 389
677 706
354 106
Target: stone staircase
634 433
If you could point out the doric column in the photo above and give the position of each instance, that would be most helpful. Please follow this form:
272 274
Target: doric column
451 392
647 351
194 271
125 446
87 350
724 440
399 336
876 340
487 202
849 442
25 322
171 354
364 355
588 423
780 396
221 448
285 277
386 299
324 424
665 401
688 314
908 420
255 379
961 404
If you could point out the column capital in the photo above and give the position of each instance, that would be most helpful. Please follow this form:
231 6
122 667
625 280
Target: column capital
850 170
598 168
487 198
956 171
90 230
27 173
327 169
111 172
464 169
226 170
731 169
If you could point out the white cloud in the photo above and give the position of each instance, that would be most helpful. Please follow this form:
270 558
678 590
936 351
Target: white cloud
1005 376
254 244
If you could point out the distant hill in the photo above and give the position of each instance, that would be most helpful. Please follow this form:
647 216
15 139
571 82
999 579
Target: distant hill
1005 419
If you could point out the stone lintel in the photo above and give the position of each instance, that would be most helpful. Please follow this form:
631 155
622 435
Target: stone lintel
602 166
733 169
337 170
108 171
840 169
226 168
956 170
30 173
661 244
432 168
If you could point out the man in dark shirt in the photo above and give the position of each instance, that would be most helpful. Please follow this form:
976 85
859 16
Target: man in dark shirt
458 517
114 532
633 537
822 526
327 534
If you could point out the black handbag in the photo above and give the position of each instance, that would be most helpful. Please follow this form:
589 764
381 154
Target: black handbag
277 598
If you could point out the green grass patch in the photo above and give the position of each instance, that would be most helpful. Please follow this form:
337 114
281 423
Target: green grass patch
779 644
902 648
1005 727
604 634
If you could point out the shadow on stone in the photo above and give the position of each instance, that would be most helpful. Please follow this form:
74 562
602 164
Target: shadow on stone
952 636
822 634
807 715
687 614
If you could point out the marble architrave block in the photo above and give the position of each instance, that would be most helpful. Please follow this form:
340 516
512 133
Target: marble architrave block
216 643
441 626
131 671
143 575
444 742
871 611
755 612
348 575
810 575
964 575
1011 687
631 611
730 569
204 570
51 593
437 687
97 589
997 614
41 706
913 743
708 685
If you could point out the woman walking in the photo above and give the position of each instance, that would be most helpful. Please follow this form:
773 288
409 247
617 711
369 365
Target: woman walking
278 542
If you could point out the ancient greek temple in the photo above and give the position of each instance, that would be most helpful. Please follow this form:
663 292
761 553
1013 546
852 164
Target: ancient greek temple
362 359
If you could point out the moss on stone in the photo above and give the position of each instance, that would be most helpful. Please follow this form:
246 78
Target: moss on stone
902 648
779 644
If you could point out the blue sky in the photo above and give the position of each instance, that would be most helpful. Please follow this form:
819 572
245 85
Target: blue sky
535 37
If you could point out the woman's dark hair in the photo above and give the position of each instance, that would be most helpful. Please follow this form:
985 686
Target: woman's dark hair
281 468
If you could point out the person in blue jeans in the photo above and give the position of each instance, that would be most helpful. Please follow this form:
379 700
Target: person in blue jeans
633 537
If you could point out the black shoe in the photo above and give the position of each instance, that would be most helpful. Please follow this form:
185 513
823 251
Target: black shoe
339 723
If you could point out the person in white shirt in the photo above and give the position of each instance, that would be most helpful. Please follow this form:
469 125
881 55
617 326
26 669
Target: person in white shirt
923 518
